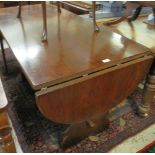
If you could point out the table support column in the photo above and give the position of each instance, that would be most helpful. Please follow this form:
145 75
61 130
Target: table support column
78 131
148 93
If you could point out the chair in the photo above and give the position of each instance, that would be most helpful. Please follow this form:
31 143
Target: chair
130 5
43 3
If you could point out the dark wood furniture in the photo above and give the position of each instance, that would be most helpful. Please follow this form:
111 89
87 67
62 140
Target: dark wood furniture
79 7
130 5
78 75
6 141
4 4
44 34
143 34
3 52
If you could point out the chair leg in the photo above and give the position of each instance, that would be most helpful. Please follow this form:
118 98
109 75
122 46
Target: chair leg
44 35
129 7
136 14
153 9
3 54
19 9
96 28
59 7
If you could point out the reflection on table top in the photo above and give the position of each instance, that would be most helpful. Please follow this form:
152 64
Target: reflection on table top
137 31
72 49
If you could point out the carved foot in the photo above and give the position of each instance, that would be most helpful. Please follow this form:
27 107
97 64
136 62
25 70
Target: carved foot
96 29
44 37
77 132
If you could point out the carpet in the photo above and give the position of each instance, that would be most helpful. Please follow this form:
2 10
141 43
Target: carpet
37 134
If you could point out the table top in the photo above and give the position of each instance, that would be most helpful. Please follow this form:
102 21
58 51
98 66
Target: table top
3 99
138 31
72 50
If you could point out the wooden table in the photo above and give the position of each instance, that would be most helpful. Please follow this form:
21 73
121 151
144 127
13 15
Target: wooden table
78 75
6 141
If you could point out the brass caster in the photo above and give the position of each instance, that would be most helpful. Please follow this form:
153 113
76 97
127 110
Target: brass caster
143 110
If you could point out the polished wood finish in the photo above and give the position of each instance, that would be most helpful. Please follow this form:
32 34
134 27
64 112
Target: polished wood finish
141 33
80 99
130 5
43 3
137 31
72 50
87 7
6 141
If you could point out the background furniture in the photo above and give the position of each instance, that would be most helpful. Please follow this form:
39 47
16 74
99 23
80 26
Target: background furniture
43 3
6 140
130 5
4 4
79 7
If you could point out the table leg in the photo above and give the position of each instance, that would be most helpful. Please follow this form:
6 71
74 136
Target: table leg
19 9
59 7
148 93
153 9
3 53
136 14
96 28
76 132
44 35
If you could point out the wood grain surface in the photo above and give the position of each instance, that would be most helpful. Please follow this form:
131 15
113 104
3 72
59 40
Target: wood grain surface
138 31
81 100
73 49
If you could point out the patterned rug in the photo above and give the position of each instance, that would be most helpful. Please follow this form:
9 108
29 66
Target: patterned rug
37 134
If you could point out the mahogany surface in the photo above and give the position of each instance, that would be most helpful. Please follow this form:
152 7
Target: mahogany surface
72 50
137 31
81 100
